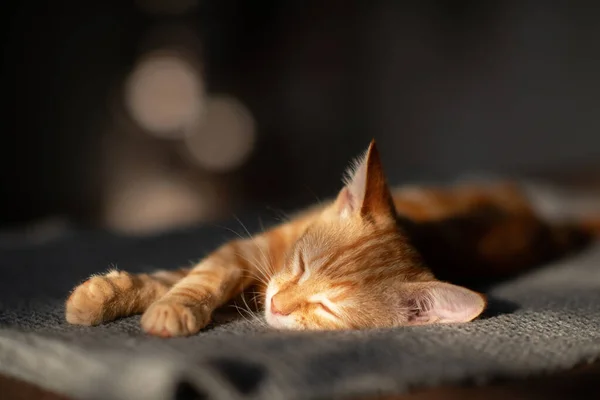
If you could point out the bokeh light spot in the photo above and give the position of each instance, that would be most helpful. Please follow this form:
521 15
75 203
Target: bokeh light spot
165 95
225 137
157 202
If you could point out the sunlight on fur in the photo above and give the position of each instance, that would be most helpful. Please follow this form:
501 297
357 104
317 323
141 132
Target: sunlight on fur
370 258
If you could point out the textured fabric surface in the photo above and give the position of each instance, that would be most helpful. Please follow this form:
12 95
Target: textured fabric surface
546 320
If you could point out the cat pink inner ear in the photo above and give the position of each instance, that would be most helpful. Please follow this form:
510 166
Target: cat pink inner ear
365 187
352 195
440 302
347 202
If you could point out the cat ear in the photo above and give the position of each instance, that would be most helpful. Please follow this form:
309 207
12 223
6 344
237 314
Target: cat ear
366 190
440 302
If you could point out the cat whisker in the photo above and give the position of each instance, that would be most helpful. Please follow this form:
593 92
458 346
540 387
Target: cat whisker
263 277
232 231
267 272
251 262
258 278
256 295
248 315
240 310
314 194
260 249
280 215
242 225
246 304
264 273
266 268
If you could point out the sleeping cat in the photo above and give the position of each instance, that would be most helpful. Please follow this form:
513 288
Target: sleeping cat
370 258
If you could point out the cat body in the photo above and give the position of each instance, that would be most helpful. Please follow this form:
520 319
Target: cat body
373 257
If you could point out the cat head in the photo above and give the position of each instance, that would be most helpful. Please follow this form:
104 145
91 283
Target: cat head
354 268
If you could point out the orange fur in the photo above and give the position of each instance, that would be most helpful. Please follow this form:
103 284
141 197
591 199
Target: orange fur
370 258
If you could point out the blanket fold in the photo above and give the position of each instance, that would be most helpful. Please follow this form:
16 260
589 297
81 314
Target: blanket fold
546 320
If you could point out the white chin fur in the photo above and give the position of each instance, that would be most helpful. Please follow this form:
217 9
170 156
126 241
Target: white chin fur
278 322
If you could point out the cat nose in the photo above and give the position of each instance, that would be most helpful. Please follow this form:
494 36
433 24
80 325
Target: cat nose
276 307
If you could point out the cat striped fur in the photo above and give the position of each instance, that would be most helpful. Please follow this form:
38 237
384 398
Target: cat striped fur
372 257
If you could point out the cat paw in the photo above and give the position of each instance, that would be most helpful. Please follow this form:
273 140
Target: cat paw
169 319
86 304
92 302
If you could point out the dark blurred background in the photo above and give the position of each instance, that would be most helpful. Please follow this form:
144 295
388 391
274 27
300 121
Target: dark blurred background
140 116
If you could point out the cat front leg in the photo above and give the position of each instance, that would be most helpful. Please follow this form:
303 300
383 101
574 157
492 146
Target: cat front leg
188 306
103 298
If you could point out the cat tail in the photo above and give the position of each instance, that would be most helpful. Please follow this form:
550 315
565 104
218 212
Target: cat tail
575 235
572 214
590 226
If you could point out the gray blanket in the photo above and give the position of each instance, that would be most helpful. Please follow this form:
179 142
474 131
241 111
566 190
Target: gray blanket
546 320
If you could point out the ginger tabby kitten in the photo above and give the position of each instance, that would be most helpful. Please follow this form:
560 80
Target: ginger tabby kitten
370 258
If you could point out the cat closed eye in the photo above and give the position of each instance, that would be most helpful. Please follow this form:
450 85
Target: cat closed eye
325 308
299 266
